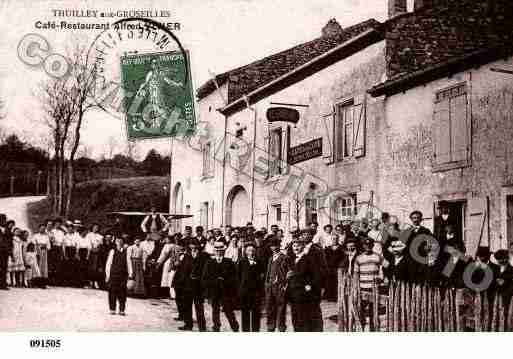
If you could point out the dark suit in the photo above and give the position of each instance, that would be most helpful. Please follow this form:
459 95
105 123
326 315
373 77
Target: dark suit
186 283
304 294
219 280
251 292
503 283
404 270
334 258
5 252
275 286
347 264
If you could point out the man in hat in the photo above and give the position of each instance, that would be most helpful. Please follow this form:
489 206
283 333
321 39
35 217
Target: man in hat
199 259
187 235
400 267
304 287
219 281
117 272
503 276
200 237
350 254
154 222
181 282
275 287
262 249
416 230
315 252
251 272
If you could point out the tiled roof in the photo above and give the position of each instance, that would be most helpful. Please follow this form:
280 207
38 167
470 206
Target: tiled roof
450 31
250 77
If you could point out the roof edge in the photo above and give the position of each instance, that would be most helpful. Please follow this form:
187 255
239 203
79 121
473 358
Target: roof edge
373 34
440 70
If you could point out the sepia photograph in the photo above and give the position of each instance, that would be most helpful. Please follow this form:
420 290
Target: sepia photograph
255 166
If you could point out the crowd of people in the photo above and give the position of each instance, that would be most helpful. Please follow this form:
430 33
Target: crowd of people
244 268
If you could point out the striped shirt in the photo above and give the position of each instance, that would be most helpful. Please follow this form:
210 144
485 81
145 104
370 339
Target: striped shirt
367 269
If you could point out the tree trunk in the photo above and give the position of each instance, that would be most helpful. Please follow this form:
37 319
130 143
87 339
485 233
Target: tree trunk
71 186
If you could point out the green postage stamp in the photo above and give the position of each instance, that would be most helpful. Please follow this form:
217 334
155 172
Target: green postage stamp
158 95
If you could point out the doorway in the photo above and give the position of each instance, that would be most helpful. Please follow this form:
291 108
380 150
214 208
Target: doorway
456 210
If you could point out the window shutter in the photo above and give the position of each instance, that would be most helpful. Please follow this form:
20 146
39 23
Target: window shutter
269 156
328 128
286 145
211 214
359 118
460 144
441 133
476 231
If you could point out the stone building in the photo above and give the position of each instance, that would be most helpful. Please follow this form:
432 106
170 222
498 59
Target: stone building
448 129
240 171
396 116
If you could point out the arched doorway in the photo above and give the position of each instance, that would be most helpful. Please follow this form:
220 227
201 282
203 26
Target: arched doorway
238 209
177 208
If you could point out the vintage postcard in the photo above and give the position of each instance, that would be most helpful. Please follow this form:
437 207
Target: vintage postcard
246 166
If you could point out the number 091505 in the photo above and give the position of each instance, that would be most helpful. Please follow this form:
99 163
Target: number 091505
45 343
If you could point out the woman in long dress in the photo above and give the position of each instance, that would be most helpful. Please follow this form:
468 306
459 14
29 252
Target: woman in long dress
42 243
70 252
135 256
95 272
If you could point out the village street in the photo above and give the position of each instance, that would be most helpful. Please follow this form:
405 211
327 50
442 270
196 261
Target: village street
15 208
71 309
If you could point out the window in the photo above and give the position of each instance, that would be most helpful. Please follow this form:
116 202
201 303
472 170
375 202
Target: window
451 134
207 160
350 130
311 210
275 152
277 212
204 215
345 207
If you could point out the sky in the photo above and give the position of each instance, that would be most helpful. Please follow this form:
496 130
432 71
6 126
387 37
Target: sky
220 35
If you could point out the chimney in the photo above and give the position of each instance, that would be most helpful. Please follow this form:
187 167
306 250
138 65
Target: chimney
396 7
331 28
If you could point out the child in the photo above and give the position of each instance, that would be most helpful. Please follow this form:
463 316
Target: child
17 265
117 271
31 267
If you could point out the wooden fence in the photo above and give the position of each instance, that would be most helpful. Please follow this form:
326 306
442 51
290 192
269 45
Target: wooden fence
407 307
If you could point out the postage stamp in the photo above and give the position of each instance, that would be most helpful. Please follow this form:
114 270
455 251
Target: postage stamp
158 98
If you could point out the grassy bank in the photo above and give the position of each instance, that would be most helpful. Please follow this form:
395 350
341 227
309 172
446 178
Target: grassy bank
93 200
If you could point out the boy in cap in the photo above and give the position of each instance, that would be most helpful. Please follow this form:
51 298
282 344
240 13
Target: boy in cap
219 281
367 274
275 286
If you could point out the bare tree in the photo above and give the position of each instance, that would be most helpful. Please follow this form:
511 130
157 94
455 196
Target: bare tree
66 101
56 100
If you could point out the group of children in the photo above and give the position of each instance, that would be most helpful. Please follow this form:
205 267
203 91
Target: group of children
24 262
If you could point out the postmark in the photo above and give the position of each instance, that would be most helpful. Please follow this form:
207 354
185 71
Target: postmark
142 76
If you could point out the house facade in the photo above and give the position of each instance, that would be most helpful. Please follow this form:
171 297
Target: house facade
448 118
408 114
239 168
